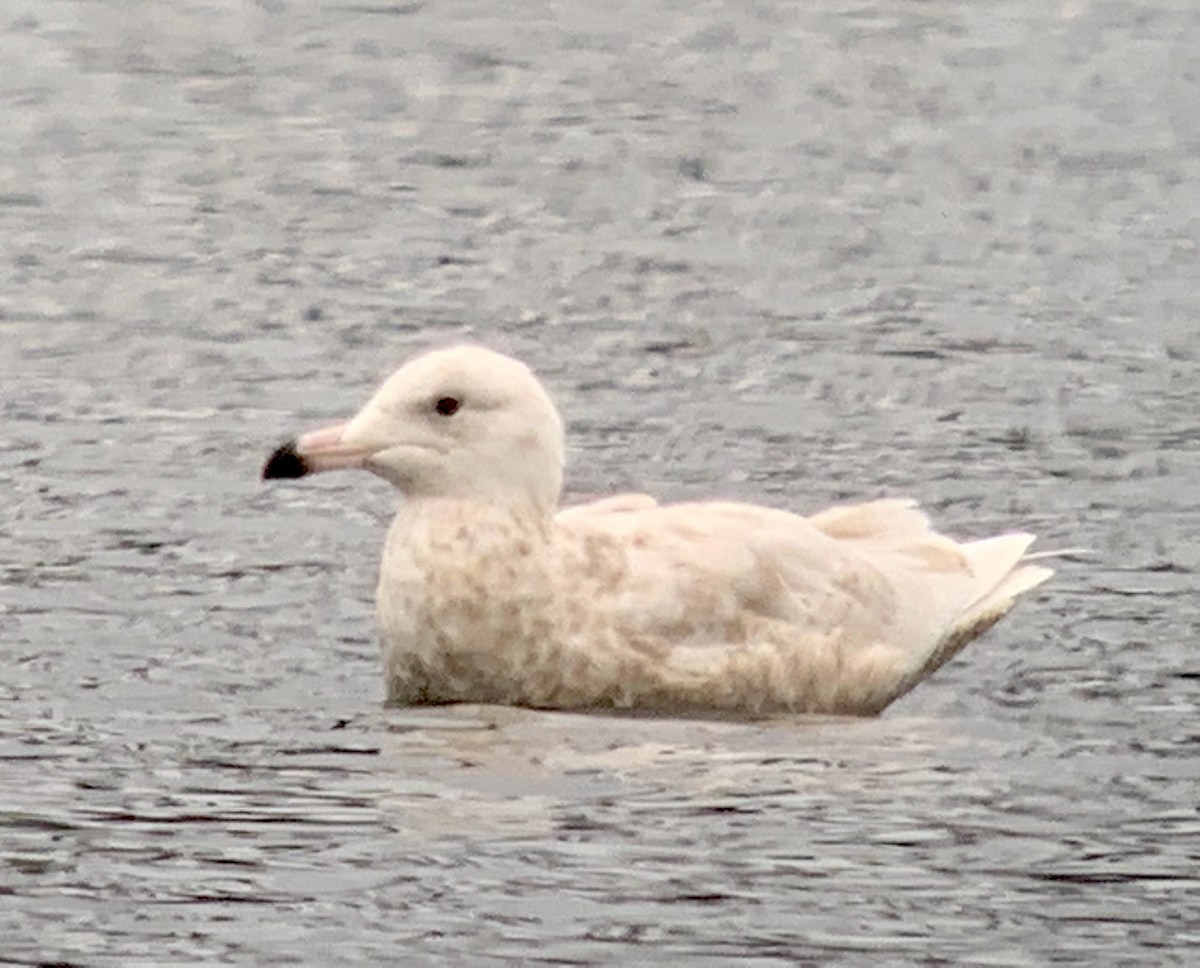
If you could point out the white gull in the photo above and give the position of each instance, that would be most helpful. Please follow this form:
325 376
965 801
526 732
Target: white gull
490 593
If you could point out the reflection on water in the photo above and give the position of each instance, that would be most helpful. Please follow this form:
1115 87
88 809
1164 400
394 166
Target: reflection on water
792 254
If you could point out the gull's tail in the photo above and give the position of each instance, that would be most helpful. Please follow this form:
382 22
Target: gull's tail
1003 572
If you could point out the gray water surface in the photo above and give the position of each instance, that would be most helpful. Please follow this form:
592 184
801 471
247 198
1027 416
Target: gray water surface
784 253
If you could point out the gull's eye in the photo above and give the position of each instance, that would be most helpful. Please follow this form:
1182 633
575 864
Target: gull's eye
447 406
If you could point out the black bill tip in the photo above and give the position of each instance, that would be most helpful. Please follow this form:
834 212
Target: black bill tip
284 463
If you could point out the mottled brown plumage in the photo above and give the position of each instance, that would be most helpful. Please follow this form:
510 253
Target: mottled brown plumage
488 592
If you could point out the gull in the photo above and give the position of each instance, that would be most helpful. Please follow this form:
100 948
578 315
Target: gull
490 592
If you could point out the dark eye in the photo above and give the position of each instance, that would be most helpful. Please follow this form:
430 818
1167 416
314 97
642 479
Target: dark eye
447 406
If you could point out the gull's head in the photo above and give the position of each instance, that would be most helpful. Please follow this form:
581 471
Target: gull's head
457 423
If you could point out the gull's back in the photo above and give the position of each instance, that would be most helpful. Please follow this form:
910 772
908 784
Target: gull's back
842 612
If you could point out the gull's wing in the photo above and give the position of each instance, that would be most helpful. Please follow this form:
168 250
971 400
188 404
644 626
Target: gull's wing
871 587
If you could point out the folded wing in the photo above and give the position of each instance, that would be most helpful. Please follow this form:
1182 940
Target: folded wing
840 612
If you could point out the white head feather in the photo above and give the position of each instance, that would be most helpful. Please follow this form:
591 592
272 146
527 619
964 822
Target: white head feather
462 423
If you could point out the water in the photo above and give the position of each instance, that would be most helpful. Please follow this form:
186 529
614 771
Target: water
788 253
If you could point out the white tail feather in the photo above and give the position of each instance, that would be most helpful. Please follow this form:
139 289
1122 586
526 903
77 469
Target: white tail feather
1001 574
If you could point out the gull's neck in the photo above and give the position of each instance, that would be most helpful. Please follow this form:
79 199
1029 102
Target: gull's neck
466 510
